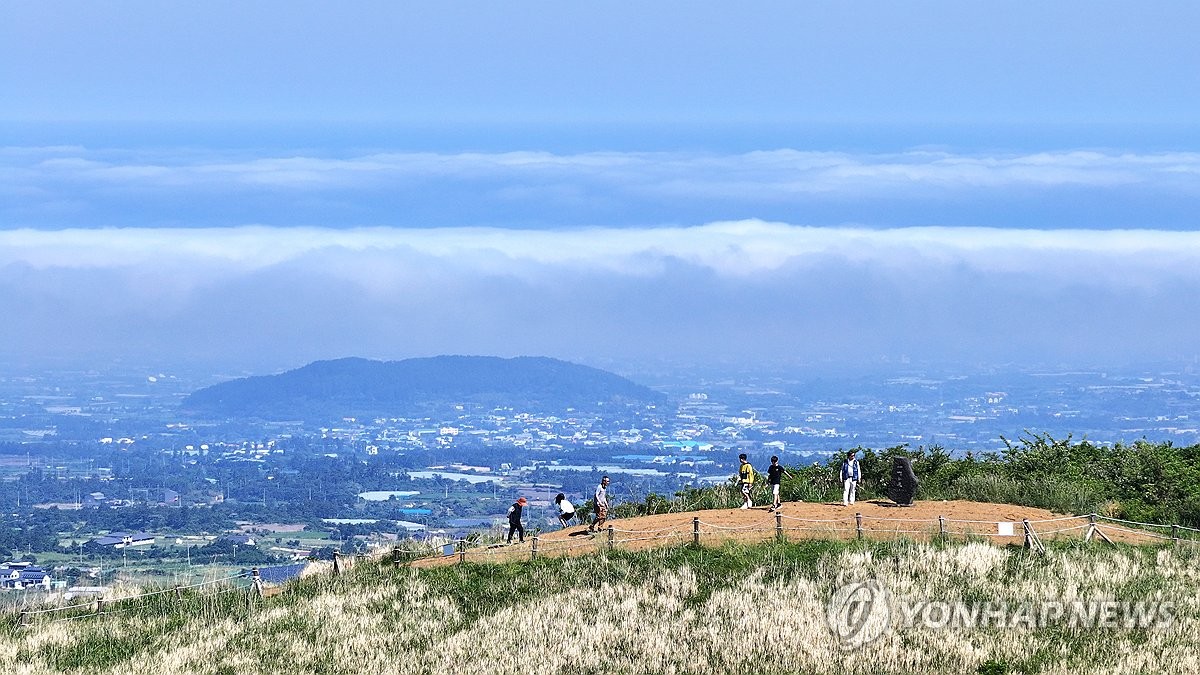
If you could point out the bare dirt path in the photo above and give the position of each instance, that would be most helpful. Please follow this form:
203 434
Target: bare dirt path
999 523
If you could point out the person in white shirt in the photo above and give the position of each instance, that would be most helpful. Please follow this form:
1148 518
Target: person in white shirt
566 511
600 503
850 477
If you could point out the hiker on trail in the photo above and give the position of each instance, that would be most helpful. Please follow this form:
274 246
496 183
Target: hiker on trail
774 478
850 477
566 511
745 480
600 503
514 520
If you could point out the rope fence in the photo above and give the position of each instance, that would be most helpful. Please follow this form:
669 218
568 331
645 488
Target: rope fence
1117 528
1135 523
812 520
858 526
102 606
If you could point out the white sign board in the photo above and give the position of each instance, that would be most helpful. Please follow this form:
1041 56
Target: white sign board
1005 529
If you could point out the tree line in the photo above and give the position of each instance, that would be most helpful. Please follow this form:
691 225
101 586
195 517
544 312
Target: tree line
1145 481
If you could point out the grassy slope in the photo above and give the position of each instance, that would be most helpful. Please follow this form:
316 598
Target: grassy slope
753 609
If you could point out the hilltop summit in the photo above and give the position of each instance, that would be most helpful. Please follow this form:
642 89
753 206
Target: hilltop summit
357 386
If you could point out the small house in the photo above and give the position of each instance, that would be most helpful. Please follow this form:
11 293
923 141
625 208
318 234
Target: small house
15 576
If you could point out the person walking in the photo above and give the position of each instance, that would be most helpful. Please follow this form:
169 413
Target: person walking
514 520
600 504
566 511
774 478
745 480
850 477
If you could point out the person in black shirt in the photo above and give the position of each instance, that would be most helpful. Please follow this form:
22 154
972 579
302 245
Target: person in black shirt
774 478
514 520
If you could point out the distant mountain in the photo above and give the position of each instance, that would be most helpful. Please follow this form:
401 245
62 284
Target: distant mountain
355 386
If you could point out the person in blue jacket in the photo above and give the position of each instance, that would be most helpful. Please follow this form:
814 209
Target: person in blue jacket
850 477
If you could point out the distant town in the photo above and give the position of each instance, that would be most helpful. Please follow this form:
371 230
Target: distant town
104 478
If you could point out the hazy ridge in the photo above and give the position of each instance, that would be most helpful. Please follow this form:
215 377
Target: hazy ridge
363 386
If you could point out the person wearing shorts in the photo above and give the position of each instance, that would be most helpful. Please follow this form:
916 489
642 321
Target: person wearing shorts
774 478
566 511
600 503
745 480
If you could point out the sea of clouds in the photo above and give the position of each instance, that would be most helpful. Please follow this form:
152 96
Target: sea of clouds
257 257
748 290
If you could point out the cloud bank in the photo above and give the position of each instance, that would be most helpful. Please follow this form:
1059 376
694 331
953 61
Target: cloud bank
62 187
778 172
740 290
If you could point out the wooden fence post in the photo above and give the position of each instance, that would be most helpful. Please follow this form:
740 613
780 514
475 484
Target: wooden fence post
1094 530
256 582
99 605
778 526
1031 539
611 541
178 593
533 551
696 531
24 619
1175 534
858 524
396 555
942 526
462 550
336 564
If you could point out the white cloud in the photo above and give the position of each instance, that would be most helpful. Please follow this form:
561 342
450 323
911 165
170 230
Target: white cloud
734 248
740 290
778 173
65 188
724 288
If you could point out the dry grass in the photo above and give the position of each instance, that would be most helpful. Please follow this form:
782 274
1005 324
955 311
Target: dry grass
757 608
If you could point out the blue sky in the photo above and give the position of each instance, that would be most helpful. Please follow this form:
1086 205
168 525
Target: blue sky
559 63
263 184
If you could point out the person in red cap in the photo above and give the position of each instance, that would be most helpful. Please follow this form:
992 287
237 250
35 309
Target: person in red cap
514 520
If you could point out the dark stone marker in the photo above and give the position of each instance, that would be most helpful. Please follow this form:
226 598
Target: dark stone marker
902 488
